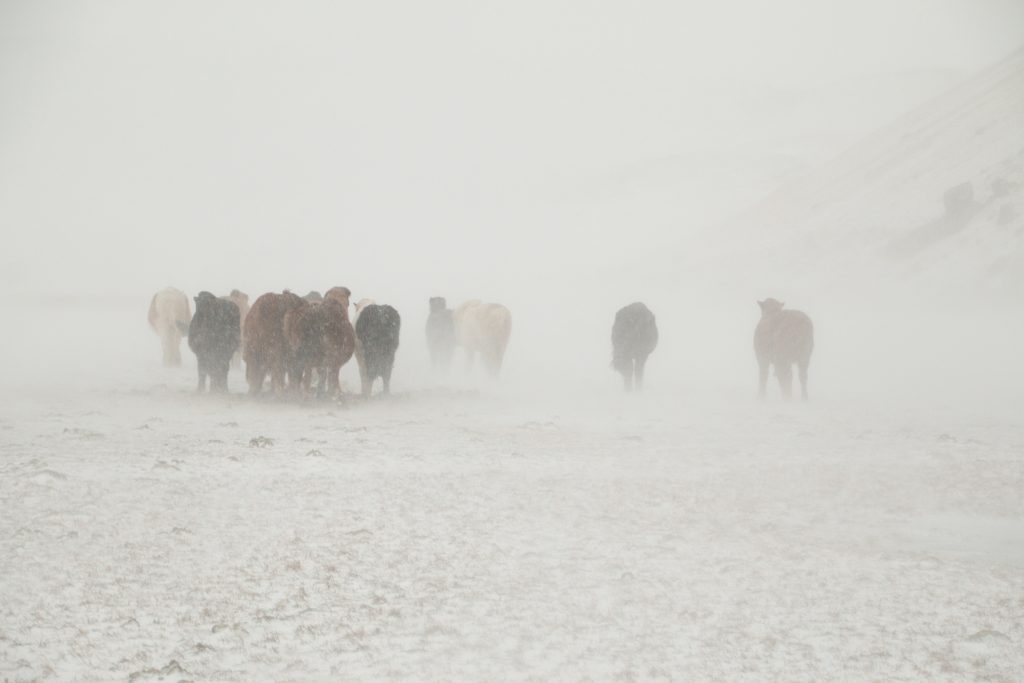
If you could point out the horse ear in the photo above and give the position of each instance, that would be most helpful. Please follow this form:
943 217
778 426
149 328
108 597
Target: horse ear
761 303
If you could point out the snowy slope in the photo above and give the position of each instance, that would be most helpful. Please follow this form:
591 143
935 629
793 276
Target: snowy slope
730 145
876 214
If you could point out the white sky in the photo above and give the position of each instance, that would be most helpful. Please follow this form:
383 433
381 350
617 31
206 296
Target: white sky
274 144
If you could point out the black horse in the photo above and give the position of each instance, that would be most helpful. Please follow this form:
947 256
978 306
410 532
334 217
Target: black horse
440 334
781 339
214 335
634 337
378 329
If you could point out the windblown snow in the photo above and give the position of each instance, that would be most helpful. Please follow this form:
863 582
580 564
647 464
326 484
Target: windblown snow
547 526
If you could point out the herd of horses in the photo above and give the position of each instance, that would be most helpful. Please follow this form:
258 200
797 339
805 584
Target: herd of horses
291 339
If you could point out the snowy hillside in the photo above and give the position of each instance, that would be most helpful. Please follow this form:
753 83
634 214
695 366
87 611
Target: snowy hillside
934 199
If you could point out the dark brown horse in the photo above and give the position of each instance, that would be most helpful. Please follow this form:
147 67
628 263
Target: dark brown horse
783 338
213 336
378 329
320 339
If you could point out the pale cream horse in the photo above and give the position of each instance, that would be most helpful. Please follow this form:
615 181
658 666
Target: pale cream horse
170 313
485 329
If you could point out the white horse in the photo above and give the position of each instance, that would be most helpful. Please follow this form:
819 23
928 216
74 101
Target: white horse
483 328
169 315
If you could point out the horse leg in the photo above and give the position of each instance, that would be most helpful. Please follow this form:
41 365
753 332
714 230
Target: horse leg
386 376
323 381
165 347
277 378
309 387
254 374
295 373
365 383
333 381
784 371
490 362
366 377
803 378
762 380
225 369
201 372
170 342
641 361
219 374
175 348
227 372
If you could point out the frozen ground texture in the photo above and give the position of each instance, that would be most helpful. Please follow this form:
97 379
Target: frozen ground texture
151 535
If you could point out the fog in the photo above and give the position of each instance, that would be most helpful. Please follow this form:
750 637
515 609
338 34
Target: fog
564 159
528 155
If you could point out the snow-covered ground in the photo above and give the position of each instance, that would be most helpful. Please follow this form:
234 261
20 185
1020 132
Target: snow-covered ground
506 532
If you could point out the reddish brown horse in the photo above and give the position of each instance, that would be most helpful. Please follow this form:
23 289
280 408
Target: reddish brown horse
265 348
